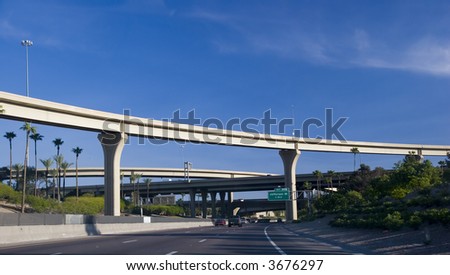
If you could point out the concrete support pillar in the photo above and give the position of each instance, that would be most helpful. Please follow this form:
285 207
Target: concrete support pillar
204 203
192 203
112 144
213 204
223 208
229 204
290 158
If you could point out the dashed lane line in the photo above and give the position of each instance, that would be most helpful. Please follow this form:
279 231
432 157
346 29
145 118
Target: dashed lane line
130 241
202 241
172 253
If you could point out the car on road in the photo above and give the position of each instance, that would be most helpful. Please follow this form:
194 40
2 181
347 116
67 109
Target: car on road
220 221
234 220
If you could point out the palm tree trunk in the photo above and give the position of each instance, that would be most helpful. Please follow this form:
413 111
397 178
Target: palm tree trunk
46 183
64 184
58 187
25 173
76 176
35 168
10 162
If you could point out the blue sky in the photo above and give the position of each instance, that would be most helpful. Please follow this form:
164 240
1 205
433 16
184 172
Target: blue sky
385 65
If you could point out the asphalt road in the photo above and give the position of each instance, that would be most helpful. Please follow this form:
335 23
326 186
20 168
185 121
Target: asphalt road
252 239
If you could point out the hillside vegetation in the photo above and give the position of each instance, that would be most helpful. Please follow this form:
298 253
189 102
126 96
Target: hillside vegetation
413 193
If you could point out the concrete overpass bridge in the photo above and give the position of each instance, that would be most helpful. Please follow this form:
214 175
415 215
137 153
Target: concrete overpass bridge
145 172
114 129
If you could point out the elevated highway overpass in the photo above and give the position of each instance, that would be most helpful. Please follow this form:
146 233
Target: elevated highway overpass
114 129
247 184
145 172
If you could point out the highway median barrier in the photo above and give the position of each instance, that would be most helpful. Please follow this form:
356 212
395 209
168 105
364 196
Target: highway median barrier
16 228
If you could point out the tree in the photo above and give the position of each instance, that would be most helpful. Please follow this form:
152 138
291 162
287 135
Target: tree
28 130
411 174
36 137
47 164
64 166
308 186
55 174
59 159
331 174
147 182
138 177
442 164
133 178
10 136
18 167
319 176
58 142
355 151
77 151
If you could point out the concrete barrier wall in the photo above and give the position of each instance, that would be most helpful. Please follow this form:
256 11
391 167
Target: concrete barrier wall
10 235
19 219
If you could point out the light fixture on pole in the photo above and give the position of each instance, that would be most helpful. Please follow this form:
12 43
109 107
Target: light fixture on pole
27 44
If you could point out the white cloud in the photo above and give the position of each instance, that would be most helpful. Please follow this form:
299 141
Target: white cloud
424 56
9 31
292 38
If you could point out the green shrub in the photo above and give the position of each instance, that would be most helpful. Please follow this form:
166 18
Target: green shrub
399 193
393 221
164 210
415 220
84 205
41 205
7 193
436 215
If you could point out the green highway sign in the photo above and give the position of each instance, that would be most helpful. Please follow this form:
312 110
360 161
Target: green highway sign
279 195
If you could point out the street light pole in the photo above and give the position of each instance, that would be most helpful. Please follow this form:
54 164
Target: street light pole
26 44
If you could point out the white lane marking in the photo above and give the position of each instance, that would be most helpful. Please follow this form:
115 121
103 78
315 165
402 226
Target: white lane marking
57 253
272 243
171 253
201 241
130 241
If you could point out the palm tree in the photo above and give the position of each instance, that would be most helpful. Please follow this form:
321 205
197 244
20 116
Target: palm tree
54 173
47 164
58 142
318 175
307 185
36 137
77 151
29 130
10 136
355 151
138 176
18 168
147 181
135 177
339 175
59 159
64 166
331 174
